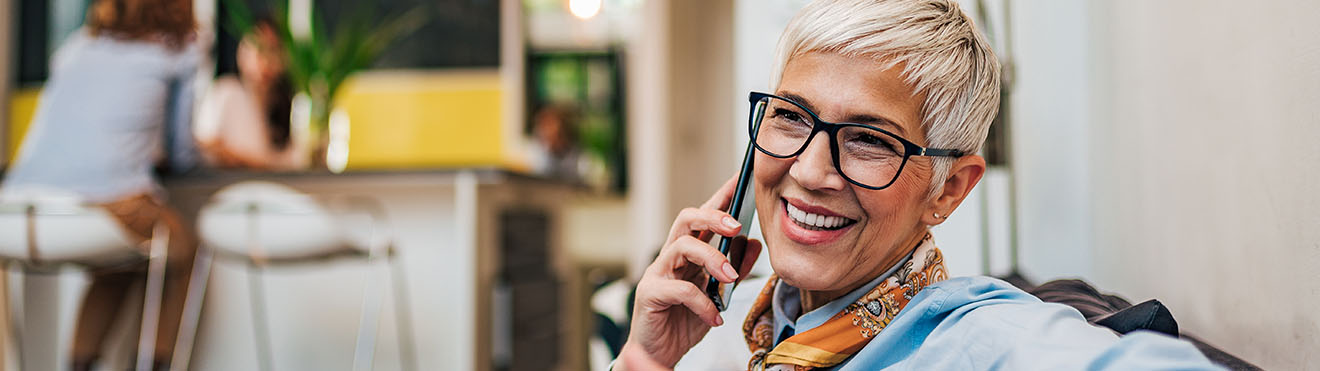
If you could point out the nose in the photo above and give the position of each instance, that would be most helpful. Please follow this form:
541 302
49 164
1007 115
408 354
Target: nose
813 169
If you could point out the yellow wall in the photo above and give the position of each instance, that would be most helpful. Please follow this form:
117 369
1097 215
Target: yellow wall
22 106
424 119
414 119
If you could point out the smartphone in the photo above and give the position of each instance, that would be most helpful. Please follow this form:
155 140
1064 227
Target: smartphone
741 207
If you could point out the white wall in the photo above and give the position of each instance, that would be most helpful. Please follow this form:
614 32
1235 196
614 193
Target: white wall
648 144
680 75
1050 118
1188 165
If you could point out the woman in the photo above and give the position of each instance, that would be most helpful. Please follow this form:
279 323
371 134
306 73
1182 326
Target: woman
845 211
244 120
119 96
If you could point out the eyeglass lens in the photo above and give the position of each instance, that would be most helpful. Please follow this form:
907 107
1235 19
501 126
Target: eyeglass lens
867 156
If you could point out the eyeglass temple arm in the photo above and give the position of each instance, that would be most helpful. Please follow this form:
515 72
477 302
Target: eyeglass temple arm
940 152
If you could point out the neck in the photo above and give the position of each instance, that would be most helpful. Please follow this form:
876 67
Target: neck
816 299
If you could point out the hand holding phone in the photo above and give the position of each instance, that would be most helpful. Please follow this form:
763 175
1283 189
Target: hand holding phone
741 207
670 313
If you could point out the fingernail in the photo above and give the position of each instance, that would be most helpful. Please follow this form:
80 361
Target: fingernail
732 223
728 270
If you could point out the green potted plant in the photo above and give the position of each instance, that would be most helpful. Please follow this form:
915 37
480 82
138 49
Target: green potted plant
319 61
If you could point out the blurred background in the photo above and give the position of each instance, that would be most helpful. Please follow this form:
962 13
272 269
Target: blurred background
528 156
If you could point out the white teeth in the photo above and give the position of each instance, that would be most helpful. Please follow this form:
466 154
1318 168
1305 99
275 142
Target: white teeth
817 220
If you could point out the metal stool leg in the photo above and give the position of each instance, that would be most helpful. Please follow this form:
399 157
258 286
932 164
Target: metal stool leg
257 292
403 314
373 295
151 296
192 310
260 328
16 315
369 321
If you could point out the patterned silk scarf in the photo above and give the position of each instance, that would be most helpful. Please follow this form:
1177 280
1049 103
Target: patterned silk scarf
846 332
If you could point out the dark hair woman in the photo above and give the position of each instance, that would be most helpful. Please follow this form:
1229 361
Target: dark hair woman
243 120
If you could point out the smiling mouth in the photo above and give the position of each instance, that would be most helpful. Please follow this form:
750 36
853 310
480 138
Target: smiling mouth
816 222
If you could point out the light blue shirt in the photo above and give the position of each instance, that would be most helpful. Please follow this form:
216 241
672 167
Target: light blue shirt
108 111
982 323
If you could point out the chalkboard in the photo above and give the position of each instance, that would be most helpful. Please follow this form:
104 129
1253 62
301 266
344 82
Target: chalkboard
458 33
33 51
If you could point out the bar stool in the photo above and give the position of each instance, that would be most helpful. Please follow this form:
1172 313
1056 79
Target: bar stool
264 224
42 231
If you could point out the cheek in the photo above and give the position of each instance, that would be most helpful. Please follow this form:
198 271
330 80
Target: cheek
770 170
896 208
769 175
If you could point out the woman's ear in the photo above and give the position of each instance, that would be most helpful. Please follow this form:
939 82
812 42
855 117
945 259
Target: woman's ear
963 176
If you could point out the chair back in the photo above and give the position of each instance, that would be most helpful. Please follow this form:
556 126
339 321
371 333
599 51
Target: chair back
268 221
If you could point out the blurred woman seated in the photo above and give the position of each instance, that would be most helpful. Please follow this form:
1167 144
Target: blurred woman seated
119 97
243 121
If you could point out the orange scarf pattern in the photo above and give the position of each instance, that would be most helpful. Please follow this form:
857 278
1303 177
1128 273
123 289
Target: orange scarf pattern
846 332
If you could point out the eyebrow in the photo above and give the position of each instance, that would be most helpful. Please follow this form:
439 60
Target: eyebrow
872 120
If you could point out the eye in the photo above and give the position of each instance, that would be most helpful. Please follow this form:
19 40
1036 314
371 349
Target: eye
871 144
872 140
789 115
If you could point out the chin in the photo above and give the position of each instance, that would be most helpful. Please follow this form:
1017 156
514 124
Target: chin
818 266
803 270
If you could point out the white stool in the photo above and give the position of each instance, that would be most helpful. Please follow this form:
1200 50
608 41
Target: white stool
42 231
264 223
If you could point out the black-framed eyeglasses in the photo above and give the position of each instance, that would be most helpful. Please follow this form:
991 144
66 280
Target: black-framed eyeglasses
865 155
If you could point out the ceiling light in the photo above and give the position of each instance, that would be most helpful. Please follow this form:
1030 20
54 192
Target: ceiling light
584 9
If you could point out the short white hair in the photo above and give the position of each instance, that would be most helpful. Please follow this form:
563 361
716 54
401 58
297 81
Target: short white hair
943 54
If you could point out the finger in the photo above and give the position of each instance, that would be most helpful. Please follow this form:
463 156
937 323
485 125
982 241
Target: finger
689 250
704 236
720 200
669 293
693 221
753 251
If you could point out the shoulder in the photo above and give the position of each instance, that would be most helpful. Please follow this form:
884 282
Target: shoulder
991 311
975 290
171 59
227 96
68 50
225 87
957 297
224 103
995 325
